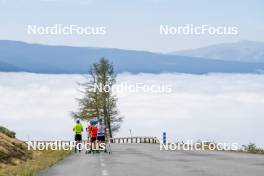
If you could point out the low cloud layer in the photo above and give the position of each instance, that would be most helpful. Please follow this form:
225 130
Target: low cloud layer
219 107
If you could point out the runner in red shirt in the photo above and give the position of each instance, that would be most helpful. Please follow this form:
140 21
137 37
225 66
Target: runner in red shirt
93 133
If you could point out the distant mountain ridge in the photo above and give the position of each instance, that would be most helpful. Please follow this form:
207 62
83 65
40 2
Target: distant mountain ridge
38 58
242 51
8 67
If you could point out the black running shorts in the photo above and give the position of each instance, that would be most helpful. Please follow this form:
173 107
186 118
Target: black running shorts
93 139
101 138
78 137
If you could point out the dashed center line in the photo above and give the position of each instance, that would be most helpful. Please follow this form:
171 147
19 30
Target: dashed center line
104 172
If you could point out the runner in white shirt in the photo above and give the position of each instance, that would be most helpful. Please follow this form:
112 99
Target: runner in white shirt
101 131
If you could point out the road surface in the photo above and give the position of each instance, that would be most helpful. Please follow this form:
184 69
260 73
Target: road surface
148 160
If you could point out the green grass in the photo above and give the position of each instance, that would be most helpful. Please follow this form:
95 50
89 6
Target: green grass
39 161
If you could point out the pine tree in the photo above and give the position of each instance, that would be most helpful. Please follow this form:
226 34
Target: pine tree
89 105
100 102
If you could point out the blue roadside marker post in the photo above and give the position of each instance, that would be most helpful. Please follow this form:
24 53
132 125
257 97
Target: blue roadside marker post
164 138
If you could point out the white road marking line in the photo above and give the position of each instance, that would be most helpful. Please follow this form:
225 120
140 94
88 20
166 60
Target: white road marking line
104 172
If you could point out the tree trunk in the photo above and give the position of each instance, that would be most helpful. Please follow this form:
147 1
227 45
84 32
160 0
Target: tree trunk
107 121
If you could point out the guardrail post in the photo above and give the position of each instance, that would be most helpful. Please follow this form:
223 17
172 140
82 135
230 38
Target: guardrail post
164 137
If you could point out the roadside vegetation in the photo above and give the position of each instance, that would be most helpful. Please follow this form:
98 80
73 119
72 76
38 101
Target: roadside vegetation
7 132
17 160
252 148
39 161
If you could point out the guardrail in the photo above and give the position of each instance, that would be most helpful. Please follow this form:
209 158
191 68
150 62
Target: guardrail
151 140
117 140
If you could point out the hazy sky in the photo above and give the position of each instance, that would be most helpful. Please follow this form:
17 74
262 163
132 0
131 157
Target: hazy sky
132 24
220 107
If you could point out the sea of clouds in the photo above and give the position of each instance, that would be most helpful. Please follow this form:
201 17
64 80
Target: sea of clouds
216 107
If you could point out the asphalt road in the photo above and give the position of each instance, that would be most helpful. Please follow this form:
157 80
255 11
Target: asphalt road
148 160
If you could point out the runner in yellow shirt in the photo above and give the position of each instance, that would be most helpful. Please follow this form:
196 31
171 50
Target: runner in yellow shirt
78 129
